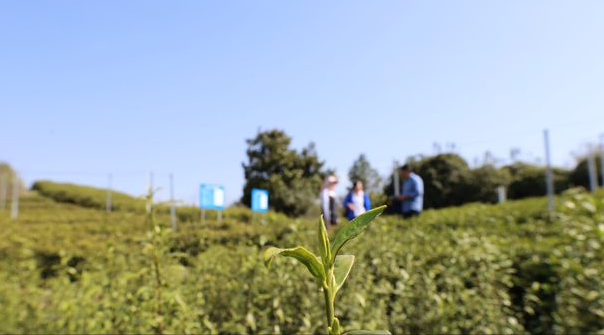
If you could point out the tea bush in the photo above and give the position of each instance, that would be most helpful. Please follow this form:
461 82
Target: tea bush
509 268
91 197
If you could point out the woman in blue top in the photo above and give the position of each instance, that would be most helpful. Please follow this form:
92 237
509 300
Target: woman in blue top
357 202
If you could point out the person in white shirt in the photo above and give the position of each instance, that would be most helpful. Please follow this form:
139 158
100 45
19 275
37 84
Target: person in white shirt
329 203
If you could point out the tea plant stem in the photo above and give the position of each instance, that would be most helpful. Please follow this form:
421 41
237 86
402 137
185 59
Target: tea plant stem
156 240
158 285
328 306
329 294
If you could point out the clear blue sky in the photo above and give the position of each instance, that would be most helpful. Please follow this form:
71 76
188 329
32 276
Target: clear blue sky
93 87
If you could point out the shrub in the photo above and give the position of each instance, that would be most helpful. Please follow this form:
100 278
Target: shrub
529 180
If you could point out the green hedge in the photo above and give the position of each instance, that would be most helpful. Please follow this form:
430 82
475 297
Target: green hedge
86 196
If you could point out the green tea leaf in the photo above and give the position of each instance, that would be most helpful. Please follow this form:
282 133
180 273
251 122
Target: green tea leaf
324 246
367 332
353 228
310 260
341 269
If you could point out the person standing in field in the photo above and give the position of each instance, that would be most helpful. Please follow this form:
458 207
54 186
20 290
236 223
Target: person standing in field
357 202
412 192
329 203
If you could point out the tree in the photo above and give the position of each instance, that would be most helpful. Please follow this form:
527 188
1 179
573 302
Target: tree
580 174
449 181
293 178
482 184
528 180
363 171
444 177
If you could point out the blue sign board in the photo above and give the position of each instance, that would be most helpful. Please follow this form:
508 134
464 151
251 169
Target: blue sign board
211 196
259 200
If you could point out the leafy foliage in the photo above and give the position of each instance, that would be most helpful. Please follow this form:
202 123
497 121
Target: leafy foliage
444 177
449 181
503 269
529 180
312 262
87 196
331 270
580 174
483 182
362 170
292 177
92 197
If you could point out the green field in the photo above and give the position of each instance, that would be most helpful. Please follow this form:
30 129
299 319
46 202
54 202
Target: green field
67 266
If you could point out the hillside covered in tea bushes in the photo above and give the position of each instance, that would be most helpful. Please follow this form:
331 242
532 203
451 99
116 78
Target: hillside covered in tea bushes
67 265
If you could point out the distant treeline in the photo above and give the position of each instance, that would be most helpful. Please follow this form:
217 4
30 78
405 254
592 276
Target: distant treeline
294 177
449 180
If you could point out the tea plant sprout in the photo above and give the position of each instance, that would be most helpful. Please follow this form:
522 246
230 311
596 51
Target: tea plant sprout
329 268
155 236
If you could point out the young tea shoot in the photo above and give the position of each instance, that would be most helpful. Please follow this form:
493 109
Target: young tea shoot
155 246
329 268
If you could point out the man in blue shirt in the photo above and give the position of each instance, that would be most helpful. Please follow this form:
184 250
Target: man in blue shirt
412 192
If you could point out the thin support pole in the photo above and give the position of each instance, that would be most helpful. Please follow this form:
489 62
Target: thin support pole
3 190
14 212
602 159
109 181
591 166
172 205
501 193
397 183
549 176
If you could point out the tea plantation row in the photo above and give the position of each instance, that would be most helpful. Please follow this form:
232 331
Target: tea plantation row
510 268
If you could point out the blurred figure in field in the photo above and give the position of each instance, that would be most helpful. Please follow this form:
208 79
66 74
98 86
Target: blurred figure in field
329 203
357 202
412 192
